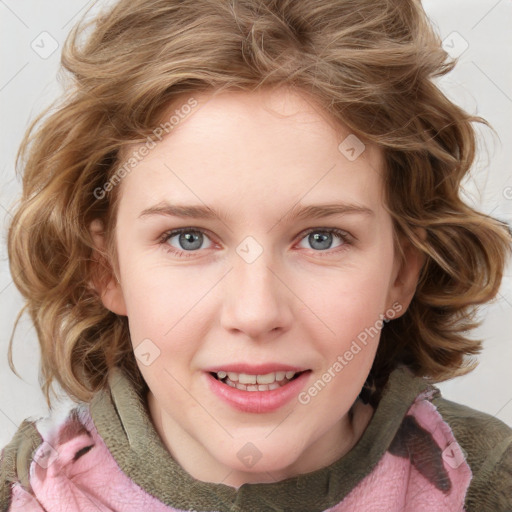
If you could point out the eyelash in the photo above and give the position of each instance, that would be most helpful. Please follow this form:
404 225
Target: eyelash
345 237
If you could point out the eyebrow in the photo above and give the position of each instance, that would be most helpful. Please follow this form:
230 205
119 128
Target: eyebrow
298 212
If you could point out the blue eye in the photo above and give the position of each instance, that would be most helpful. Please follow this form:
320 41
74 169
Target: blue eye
190 240
322 239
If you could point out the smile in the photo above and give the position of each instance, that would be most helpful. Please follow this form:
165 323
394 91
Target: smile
257 392
248 382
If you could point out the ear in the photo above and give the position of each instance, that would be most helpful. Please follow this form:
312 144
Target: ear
104 280
406 274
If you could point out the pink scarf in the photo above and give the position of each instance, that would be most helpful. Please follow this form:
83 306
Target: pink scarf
423 471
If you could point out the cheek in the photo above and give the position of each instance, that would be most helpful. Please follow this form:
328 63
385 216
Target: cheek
347 342
163 305
347 323
349 300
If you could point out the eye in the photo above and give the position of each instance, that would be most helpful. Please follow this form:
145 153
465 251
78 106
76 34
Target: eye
321 239
186 240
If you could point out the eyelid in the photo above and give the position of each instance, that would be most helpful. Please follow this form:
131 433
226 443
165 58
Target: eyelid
171 233
346 237
341 232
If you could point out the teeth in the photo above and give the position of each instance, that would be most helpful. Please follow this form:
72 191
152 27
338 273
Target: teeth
253 387
280 375
245 378
248 382
268 378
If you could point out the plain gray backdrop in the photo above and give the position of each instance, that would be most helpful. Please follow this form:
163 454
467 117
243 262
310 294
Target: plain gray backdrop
476 31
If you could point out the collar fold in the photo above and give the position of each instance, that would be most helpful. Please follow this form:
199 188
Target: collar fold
122 419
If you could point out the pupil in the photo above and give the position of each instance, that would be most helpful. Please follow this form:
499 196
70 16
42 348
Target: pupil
320 241
190 240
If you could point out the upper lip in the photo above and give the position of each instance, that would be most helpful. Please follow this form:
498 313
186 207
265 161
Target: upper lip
255 369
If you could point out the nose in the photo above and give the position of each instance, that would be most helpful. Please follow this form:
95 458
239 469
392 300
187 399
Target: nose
256 300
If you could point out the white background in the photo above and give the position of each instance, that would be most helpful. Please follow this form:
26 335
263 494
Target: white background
481 83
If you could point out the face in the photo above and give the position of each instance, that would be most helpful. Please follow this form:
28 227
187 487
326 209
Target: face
256 263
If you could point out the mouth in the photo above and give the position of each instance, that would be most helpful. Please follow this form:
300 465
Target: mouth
257 388
251 382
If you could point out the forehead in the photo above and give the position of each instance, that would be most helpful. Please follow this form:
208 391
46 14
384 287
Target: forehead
270 145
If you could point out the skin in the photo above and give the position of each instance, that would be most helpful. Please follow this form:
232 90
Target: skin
254 156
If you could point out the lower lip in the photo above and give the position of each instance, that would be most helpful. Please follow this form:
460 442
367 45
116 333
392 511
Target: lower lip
257 401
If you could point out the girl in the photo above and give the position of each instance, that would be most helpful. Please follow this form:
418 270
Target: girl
243 248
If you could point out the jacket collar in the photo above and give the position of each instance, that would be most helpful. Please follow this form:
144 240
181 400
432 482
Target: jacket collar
122 420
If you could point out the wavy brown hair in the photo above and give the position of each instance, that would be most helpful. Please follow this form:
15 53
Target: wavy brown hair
370 64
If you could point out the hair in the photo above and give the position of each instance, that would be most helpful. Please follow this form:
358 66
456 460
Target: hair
370 65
